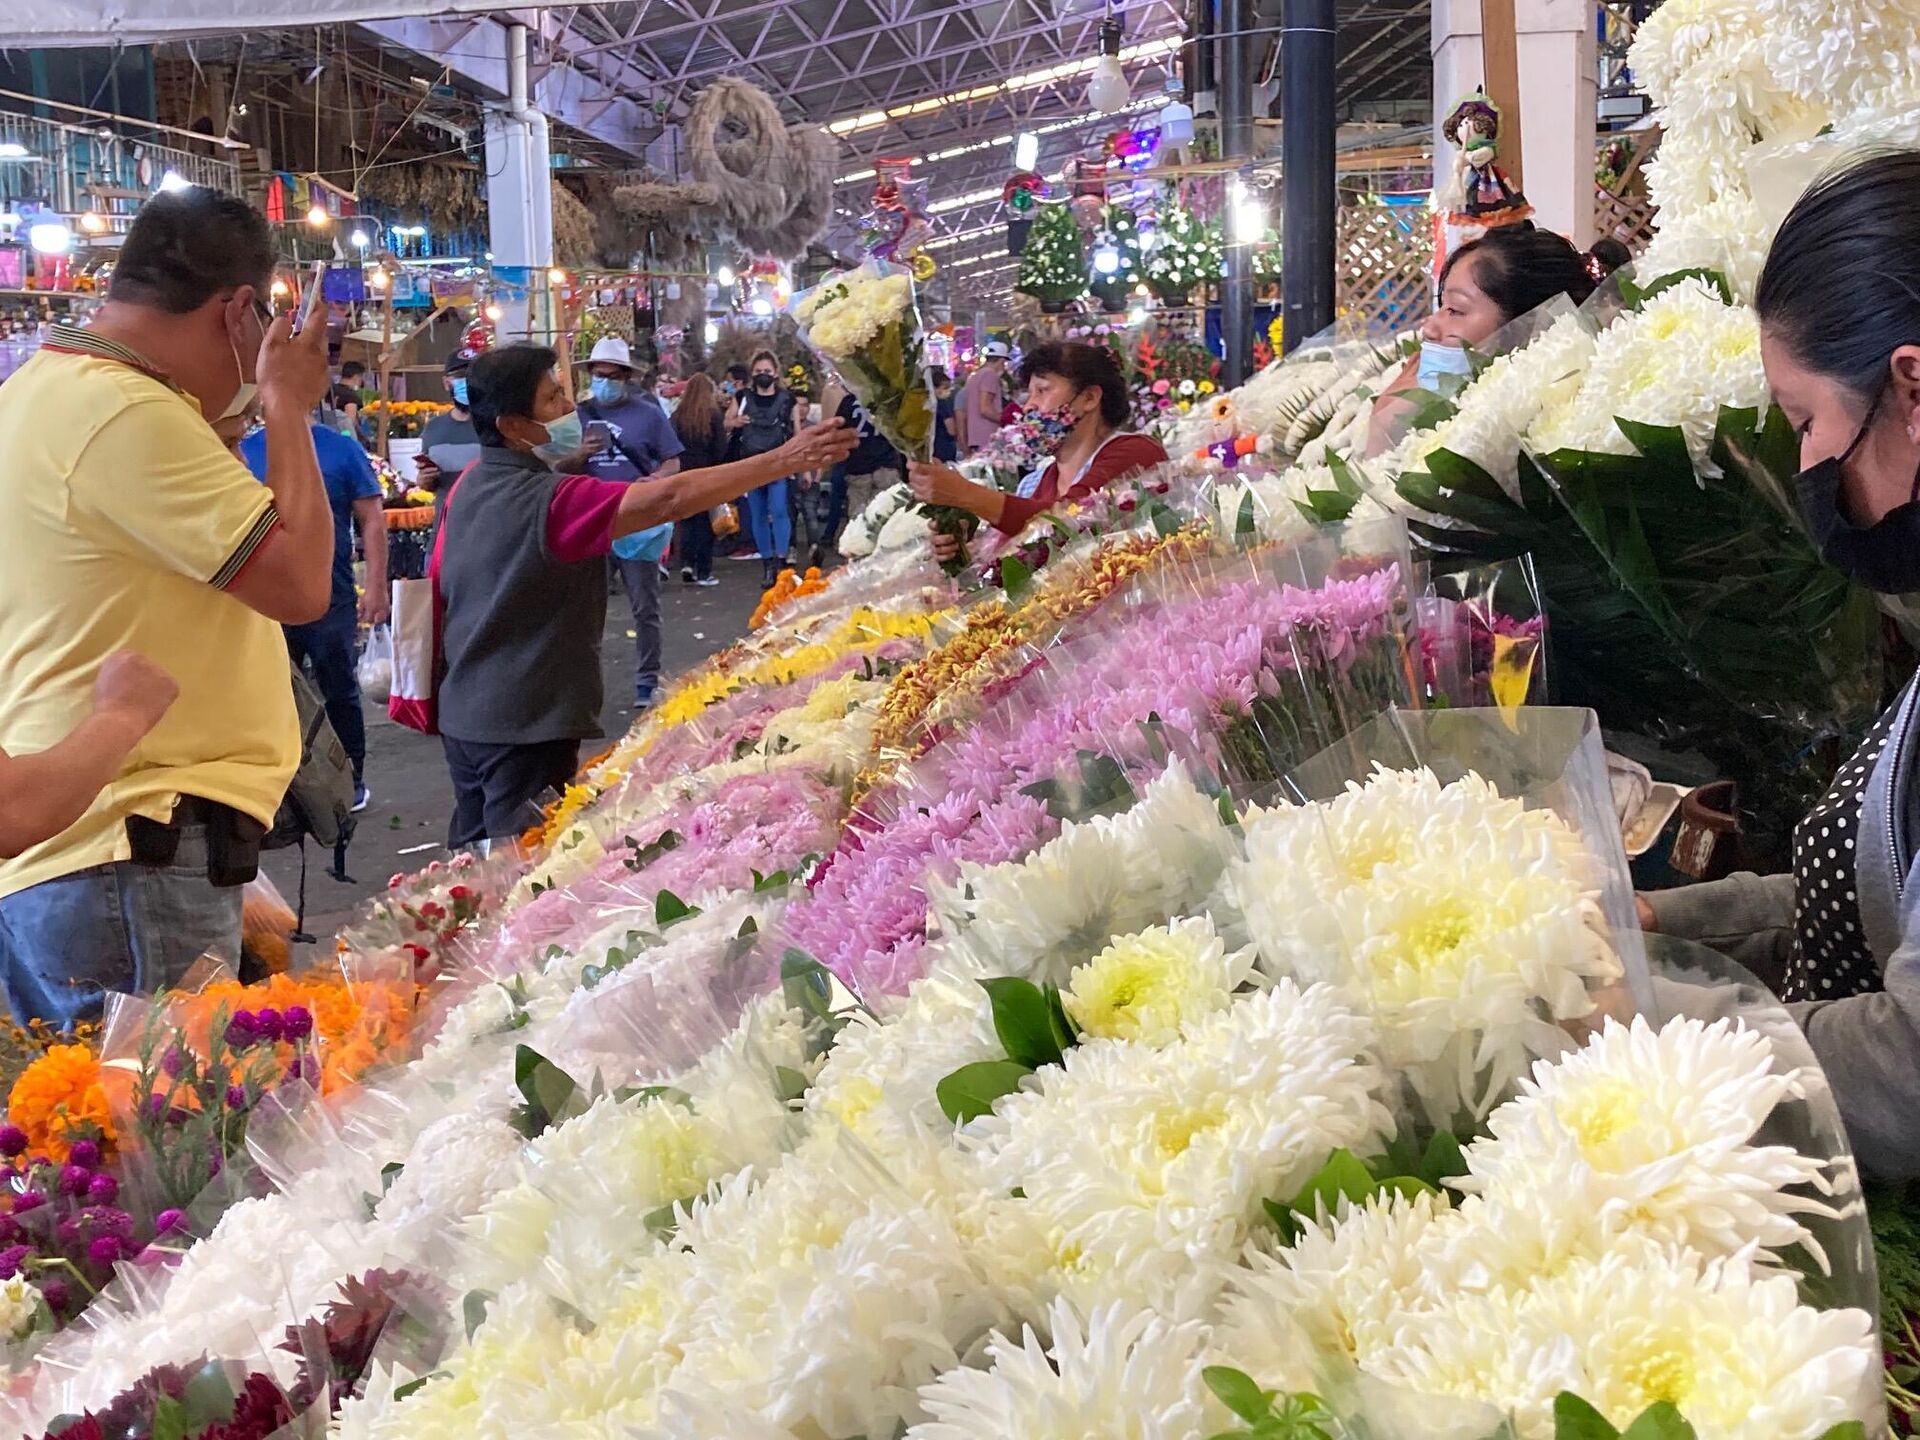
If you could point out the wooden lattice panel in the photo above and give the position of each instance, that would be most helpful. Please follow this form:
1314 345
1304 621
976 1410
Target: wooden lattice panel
1627 218
1383 262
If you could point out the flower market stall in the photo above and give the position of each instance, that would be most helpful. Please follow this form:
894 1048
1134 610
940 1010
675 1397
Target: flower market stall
1167 978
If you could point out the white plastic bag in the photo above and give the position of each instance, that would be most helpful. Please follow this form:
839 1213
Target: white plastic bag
376 664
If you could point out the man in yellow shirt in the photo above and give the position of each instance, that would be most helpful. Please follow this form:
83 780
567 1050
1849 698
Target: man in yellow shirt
130 526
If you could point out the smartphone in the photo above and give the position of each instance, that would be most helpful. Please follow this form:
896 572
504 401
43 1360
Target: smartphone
311 300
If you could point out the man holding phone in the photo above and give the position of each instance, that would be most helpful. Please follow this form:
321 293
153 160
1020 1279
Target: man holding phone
640 444
131 527
449 443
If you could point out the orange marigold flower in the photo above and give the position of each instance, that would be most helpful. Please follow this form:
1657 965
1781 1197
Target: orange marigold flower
59 1099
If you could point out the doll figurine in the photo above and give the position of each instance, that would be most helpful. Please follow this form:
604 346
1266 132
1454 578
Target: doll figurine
1479 192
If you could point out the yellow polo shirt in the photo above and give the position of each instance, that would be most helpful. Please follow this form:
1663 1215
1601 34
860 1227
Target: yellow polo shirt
121 517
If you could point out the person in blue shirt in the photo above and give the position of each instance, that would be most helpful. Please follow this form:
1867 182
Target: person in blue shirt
641 444
326 645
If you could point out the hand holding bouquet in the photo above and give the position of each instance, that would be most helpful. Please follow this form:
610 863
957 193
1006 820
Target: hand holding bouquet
866 322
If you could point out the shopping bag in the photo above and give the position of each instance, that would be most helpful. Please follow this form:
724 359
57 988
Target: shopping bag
418 610
415 667
376 664
725 519
648 544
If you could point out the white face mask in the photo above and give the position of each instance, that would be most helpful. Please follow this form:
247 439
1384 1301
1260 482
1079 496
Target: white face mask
1445 368
244 393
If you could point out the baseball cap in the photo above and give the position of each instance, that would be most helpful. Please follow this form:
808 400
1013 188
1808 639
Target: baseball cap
995 350
458 361
611 350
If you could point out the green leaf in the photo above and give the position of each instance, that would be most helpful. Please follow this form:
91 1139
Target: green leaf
1283 1218
1015 578
670 909
546 1089
1225 803
1166 520
1713 279
806 984
969 1092
473 1310
778 880
413 1387
1342 1177
1661 1421
792 1084
1238 1391
1023 1021
1443 1160
1846 1430
1407 1187
661 1223
389 1173
647 1093
1575 1419
1065 1033
169 1419
1244 525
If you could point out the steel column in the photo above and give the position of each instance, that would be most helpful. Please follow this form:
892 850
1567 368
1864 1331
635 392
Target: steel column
1234 21
1306 161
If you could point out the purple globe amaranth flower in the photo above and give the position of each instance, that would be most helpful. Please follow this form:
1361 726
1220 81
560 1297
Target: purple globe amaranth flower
157 1106
85 1153
107 1220
106 1250
57 1295
12 1258
28 1200
215 1164
104 1189
13 1141
269 1024
236 1097
174 1061
9 1230
168 1221
296 1022
242 1029
74 1179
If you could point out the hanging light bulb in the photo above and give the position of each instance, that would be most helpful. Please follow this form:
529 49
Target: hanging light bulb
556 276
494 312
1176 117
673 290
93 222
712 332
50 239
1137 315
361 240
1106 256
378 280
762 306
724 275
279 288
173 182
1107 88
319 217
1026 150
1249 215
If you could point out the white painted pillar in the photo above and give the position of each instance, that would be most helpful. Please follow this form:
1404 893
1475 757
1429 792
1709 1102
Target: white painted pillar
1558 96
520 206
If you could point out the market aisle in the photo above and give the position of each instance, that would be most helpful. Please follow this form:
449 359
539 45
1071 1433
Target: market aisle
411 796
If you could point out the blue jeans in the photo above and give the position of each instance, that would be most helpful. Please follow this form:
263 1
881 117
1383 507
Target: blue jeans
767 519
327 645
65 943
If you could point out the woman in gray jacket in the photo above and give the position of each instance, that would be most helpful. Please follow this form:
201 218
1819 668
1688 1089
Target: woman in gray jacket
1839 306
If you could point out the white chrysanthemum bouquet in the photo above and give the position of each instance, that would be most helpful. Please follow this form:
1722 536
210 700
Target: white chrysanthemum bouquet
866 322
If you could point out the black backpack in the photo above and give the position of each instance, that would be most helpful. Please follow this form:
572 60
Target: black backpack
319 798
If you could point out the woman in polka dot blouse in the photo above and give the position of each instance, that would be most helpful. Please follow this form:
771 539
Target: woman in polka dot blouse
1839 306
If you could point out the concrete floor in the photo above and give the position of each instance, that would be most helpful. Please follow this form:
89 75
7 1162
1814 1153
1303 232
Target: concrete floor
406 824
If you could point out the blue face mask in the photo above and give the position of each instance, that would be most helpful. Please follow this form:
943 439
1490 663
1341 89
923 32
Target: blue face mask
460 392
606 390
564 436
1444 368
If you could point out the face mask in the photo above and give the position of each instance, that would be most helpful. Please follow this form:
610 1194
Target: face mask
1049 428
244 393
763 382
606 390
1439 364
1883 556
460 392
564 436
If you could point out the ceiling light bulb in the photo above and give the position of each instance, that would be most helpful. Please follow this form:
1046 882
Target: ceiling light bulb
724 275
173 182
1137 315
1026 150
762 306
378 280
50 239
494 312
12 150
556 276
93 222
319 217
278 288
1106 259
712 332
361 239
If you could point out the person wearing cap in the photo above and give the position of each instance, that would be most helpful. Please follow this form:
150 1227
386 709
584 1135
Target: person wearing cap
640 445
983 398
449 443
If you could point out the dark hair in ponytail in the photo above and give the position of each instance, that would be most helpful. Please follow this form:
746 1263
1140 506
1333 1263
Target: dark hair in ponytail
1084 365
1841 286
1520 266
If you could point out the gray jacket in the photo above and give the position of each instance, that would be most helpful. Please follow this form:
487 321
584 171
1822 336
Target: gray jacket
1869 1044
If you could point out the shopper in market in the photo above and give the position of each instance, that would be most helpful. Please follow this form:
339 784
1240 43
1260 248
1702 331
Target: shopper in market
641 444
523 576
448 443
1486 284
700 422
983 397
349 394
130 527
762 422
946 429
327 645
1079 395
1840 936
874 464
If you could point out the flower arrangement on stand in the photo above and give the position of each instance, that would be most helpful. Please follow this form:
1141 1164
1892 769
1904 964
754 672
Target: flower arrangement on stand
1186 253
1053 265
